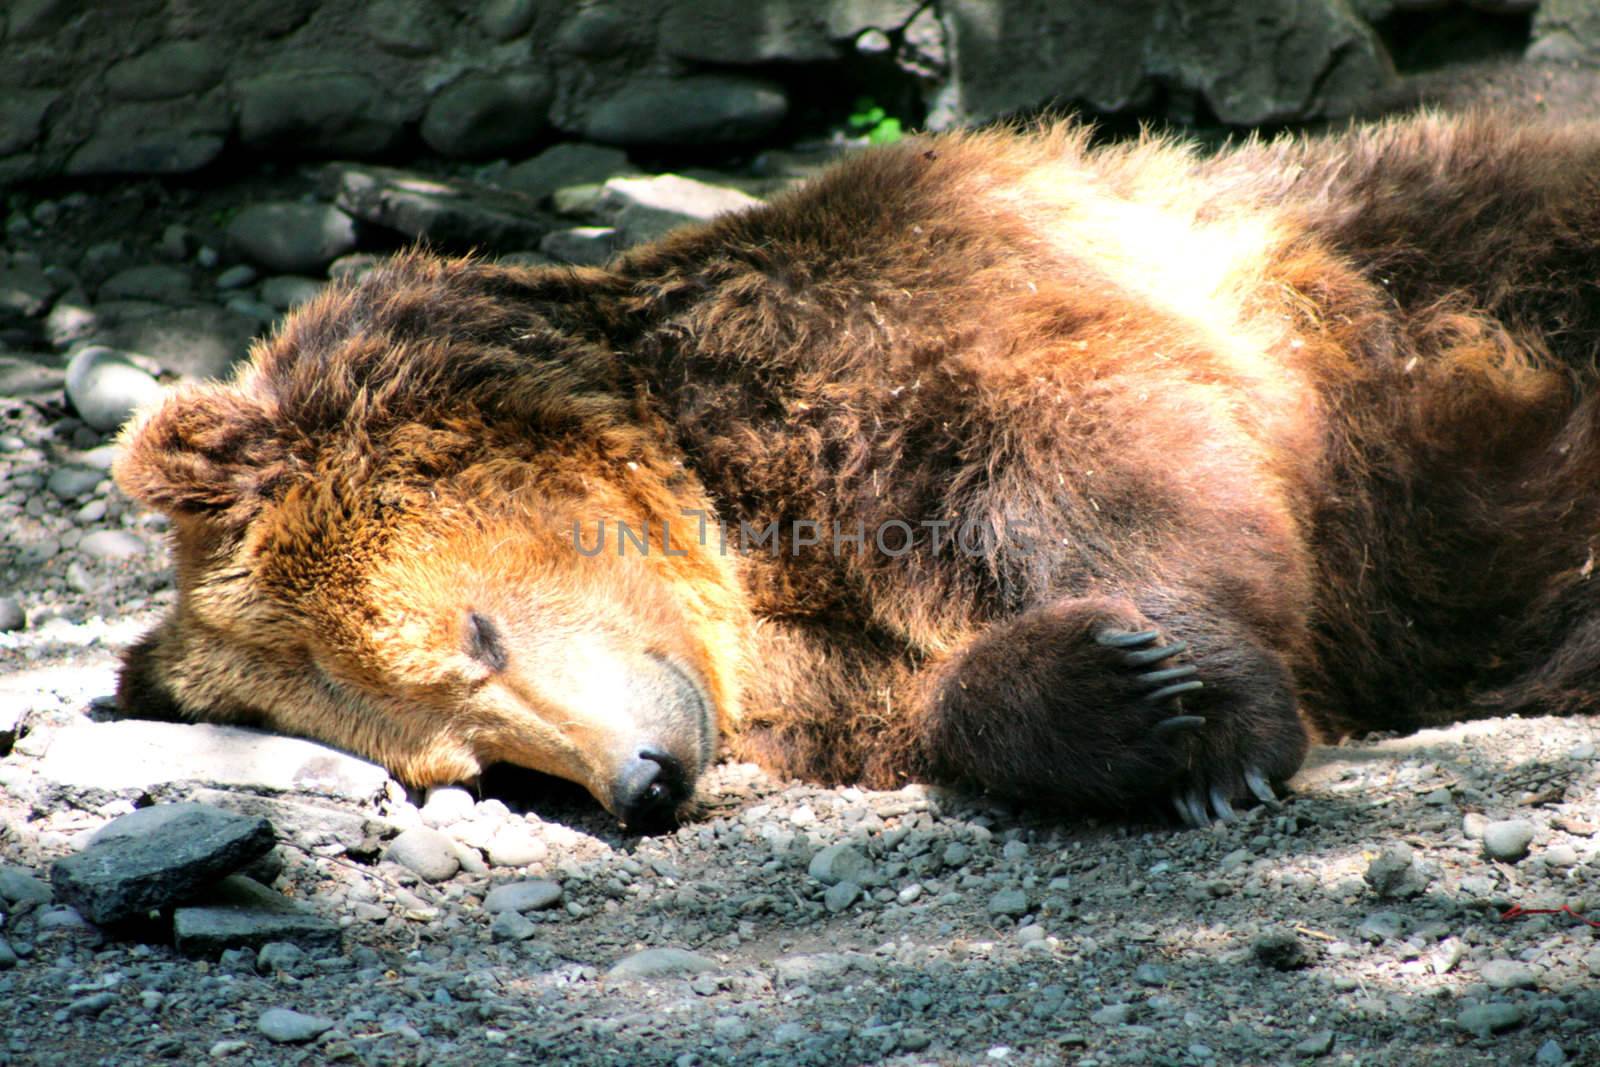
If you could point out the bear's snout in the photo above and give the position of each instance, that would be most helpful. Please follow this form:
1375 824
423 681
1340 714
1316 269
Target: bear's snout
649 790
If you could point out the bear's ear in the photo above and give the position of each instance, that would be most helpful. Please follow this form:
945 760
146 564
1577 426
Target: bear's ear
209 450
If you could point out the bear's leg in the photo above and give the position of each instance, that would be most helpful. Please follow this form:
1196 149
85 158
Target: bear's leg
1090 703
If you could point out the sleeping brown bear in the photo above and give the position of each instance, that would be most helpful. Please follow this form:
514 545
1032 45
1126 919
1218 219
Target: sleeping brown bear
1087 476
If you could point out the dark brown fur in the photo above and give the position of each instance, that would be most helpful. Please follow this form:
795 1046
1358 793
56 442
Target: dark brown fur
1324 410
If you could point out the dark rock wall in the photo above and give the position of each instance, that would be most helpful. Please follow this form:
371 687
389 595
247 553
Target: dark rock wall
167 86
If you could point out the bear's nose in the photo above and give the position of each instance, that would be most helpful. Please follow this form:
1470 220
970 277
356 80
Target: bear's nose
650 789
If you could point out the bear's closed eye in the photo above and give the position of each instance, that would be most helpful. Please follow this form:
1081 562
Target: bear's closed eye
484 643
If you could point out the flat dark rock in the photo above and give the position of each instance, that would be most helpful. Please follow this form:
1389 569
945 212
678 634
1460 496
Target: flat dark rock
155 857
240 912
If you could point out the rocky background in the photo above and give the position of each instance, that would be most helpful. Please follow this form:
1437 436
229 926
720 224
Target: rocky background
93 87
177 176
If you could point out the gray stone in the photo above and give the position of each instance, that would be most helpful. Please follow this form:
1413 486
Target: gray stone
696 109
1282 950
406 27
739 32
27 377
597 31
285 291
1508 839
163 137
1550 1054
194 342
25 290
106 387
504 19
240 912
1508 974
840 863
1252 61
280 956
285 1027
1114 1015
73 483
581 245
173 68
111 544
22 114
161 282
515 846
1012 902
840 896
1566 31
487 115
140 754
292 237
570 163
661 963
236 277
532 895
18 885
447 212
1491 1018
1383 926
311 826
1394 873
429 854
646 208
12 615
8 955
318 112
447 804
91 1005
512 926
1318 1044
155 857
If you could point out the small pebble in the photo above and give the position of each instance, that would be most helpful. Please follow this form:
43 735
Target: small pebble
428 853
840 896
1012 902
1508 840
1318 1044
1114 1015
1550 1054
283 1026
512 926
661 963
840 863
1490 1018
12 617
1508 974
532 895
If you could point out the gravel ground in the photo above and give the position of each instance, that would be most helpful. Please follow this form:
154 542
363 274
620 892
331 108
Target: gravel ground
1362 921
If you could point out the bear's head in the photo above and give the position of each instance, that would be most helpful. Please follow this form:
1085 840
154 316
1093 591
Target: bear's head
385 532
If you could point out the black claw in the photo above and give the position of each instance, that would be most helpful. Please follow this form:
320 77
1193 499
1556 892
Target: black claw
1220 805
1258 785
1125 638
1177 722
1188 812
1171 674
1144 657
1167 692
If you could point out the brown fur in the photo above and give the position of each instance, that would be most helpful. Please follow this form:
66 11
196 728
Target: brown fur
1322 409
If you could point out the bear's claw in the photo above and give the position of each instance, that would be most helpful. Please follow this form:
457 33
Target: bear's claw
1257 782
1192 809
1177 722
1125 638
1167 682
